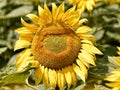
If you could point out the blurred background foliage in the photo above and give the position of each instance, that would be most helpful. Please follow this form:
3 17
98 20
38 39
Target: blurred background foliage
104 19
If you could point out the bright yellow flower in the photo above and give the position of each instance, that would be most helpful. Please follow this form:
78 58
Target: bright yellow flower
84 4
114 78
57 45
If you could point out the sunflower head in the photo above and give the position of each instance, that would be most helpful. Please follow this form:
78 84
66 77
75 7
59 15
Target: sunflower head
57 45
54 44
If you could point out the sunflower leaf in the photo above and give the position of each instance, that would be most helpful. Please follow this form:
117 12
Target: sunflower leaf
3 49
15 78
2 3
20 11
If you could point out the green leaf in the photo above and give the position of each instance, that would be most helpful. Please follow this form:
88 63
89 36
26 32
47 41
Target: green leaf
2 50
23 2
17 87
99 35
114 35
15 78
20 11
2 3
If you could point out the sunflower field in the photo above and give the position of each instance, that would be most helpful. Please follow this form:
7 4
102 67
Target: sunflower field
59 44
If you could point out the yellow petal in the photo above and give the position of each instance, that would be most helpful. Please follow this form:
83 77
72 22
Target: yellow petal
86 37
59 12
91 49
89 6
39 74
68 13
82 67
24 59
119 50
32 61
52 78
40 10
68 76
116 88
79 72
82 21
26 30
25 34
43 13
83 29
24 54
74 79
116 71
87 42
45 77
113 78
25 37
116 85
117 59
42 19
21 44
54 9
33 17
93 2
85 62
82 6
75 23
47 14
61 79
72 18
86 57
34 64
27 51
29 25
23 30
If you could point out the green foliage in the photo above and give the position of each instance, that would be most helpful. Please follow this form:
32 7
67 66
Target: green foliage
15 78
104 19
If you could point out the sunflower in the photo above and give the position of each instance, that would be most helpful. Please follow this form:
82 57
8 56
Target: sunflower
114 78
57 45
84 4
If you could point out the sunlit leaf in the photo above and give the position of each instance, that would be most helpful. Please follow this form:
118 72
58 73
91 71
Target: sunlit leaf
99 35
2 50
20 11
15 78
3 3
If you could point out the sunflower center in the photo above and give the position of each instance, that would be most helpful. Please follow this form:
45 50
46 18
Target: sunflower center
55 47
55 43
